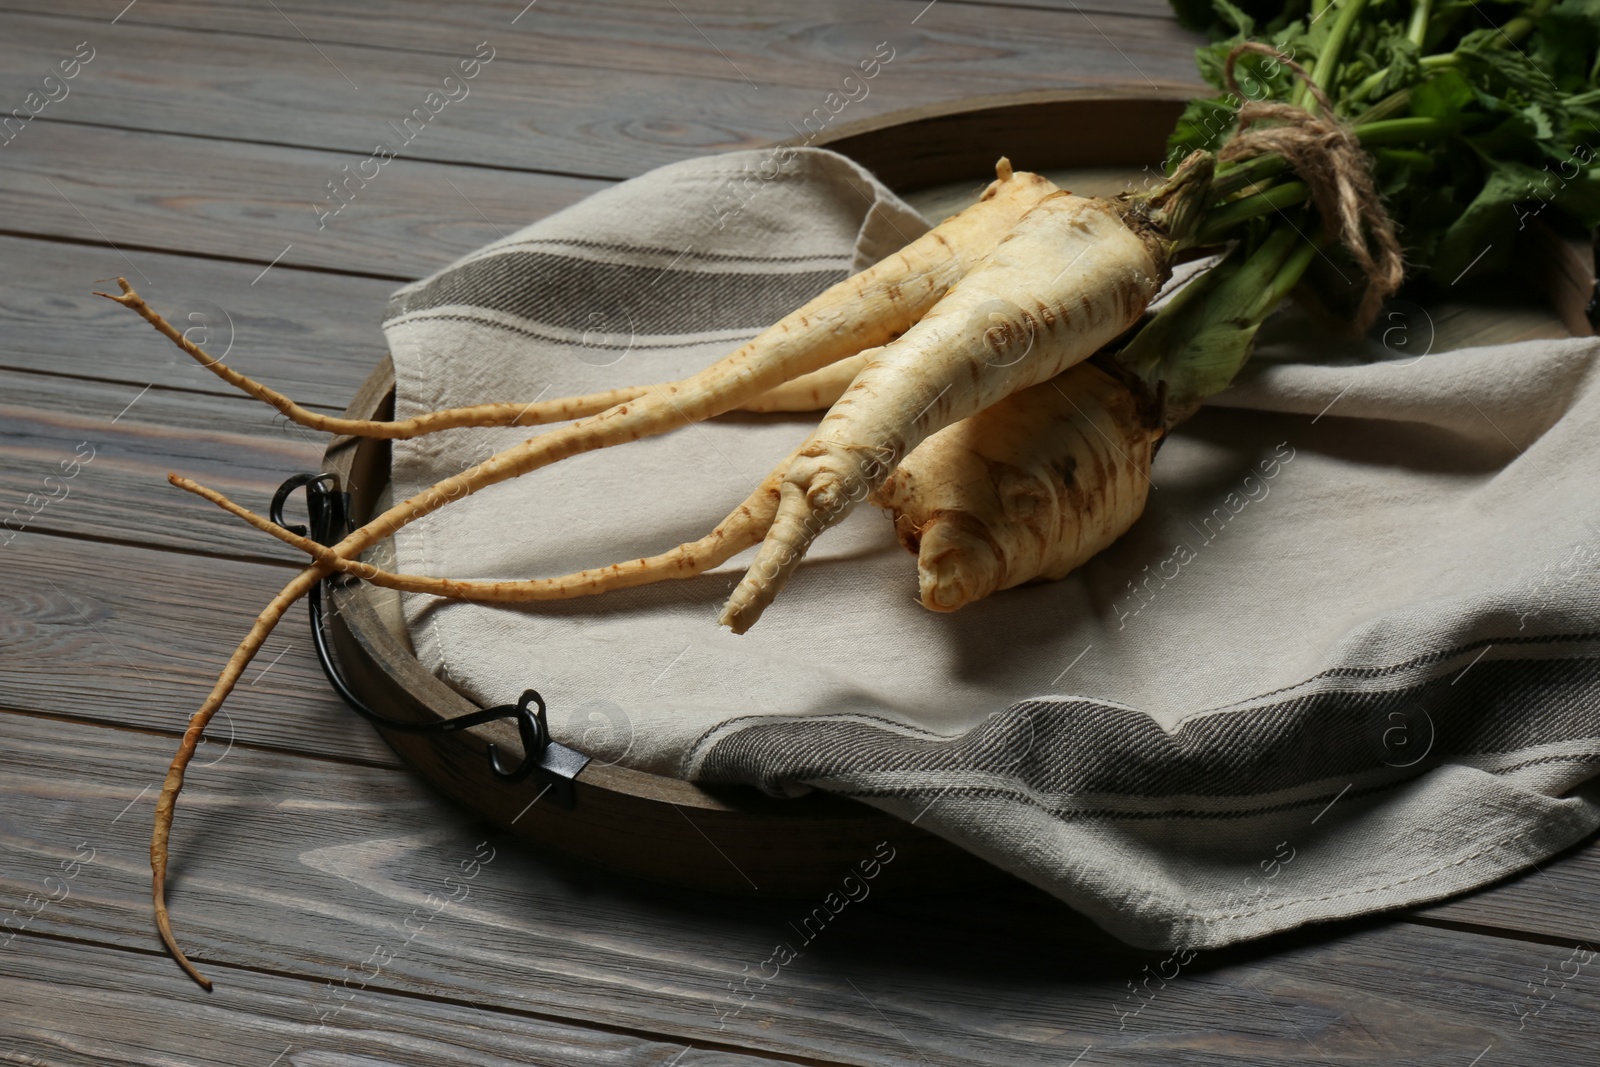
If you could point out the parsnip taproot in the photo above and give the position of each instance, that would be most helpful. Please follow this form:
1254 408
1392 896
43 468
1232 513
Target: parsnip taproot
1029 488
1006 326
744 526
864 310
816 391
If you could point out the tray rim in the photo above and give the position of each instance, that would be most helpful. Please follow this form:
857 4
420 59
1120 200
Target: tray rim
623 818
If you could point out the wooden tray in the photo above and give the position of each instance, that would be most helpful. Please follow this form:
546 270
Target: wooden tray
735 840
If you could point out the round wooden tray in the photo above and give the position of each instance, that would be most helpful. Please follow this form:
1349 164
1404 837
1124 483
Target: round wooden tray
733 840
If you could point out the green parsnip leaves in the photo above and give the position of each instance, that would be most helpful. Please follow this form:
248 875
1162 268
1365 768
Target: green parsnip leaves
1512 87
1478 115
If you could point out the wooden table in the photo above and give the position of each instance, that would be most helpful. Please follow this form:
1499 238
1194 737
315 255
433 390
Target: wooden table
187 154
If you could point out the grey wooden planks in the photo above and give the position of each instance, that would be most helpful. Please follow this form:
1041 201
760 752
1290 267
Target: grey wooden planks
91 459
951 47
288 865
70 1003
1155 9
600 89
250 202
136 636
311 335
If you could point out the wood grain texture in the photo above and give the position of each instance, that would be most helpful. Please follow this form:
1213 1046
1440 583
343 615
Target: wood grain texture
312 335
136 636
1154 9
935 146
282 866
611 25
71 1003
48 424
254 202
1554 900
950 48
291 871
264 90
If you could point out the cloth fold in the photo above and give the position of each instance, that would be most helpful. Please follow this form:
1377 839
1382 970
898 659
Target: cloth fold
1348 660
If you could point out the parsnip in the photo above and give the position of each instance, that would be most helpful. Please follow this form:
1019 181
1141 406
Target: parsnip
1029 488
744 526
865 309
816 391
1003 328
868 309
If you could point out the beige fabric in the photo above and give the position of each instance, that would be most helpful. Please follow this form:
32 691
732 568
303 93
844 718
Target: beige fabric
1327 546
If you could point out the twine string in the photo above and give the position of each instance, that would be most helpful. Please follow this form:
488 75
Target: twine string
1330 160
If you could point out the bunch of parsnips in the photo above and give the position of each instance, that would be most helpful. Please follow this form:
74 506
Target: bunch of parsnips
997 385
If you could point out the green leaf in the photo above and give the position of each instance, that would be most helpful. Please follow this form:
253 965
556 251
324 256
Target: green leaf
1242 24
1204 125
1219 17
1512 196
1570 38
1403 62
1442 96
1483 234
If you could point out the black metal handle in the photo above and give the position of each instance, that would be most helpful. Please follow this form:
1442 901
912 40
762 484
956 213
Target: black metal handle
328 510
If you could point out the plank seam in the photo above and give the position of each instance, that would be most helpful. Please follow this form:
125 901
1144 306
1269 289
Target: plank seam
1504 933
218 257
355 153
577 1022
177 734
187 390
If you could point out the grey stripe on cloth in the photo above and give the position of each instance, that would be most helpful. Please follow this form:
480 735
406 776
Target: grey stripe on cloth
1122 760
1347 661
1440 790
567 292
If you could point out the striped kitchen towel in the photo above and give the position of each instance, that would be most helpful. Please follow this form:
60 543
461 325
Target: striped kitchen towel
1348 660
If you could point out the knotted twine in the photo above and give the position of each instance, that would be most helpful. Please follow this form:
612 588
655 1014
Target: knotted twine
1329 159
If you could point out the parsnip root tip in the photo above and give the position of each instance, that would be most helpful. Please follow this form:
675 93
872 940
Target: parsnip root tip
127 298
802 515
160 835
167 802
164 925
948 577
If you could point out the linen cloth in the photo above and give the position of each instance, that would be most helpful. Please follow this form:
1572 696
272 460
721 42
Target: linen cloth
1348 659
